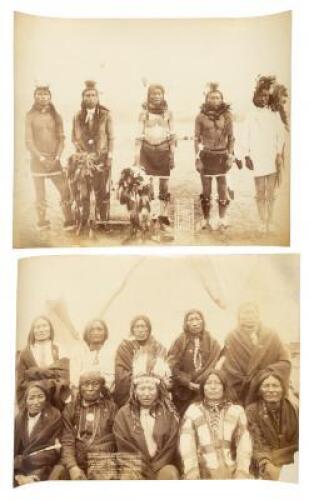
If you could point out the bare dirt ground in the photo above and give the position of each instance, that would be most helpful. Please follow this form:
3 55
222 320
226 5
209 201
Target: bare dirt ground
184 187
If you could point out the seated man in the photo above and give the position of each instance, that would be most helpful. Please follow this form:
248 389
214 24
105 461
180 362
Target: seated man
38 427
146 428
214 438
250 349
273 424
88 422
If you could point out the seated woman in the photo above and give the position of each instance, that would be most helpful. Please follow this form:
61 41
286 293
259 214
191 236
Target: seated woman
193 353
88 422
146 428
37 429
273 424
140 340
214 439
40 360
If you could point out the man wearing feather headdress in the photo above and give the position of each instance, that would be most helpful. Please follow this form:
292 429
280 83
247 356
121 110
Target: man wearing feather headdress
264 145
93 134
214 150
146 428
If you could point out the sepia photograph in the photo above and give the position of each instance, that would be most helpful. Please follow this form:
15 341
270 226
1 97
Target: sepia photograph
152 131
125 371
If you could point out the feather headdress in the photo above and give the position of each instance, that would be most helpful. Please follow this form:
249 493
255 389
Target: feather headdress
145 367
265 82
211 87
90 85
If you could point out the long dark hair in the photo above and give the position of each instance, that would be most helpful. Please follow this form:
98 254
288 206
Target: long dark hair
146 321
263 83
89 326
263 376
185 320
227 395
43 385
51 107
163 402
276 104
31 339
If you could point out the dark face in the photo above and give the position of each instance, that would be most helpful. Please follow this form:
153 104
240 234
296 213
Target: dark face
262 98
42 97
90 99
97 333
90 389
41 330
140 330
146 392
195 323
35 401
214 99
156 97
271 390
213 388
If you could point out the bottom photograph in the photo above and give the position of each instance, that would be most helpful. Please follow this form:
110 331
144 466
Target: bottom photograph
157 367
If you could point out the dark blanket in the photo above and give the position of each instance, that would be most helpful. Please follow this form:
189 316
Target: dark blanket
156 159
180 356
58 374
244 361
76 447
47 429
123 364
130 438
268 443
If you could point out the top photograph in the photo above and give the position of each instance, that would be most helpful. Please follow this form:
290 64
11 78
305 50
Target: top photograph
152 131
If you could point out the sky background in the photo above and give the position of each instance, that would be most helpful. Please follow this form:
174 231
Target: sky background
181 54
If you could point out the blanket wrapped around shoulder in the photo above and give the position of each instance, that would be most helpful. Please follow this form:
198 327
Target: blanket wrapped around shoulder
57 376
38 453
130 439
268 443
244 361
123 364
210 350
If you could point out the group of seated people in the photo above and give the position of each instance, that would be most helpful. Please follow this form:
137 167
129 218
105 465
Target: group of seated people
197 411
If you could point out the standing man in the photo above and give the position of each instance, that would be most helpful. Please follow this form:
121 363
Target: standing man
264 147
250 349
193 353
214 150
45 141
155 145
93 134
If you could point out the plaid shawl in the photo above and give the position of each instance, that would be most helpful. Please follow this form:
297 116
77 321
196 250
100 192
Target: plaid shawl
209 455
